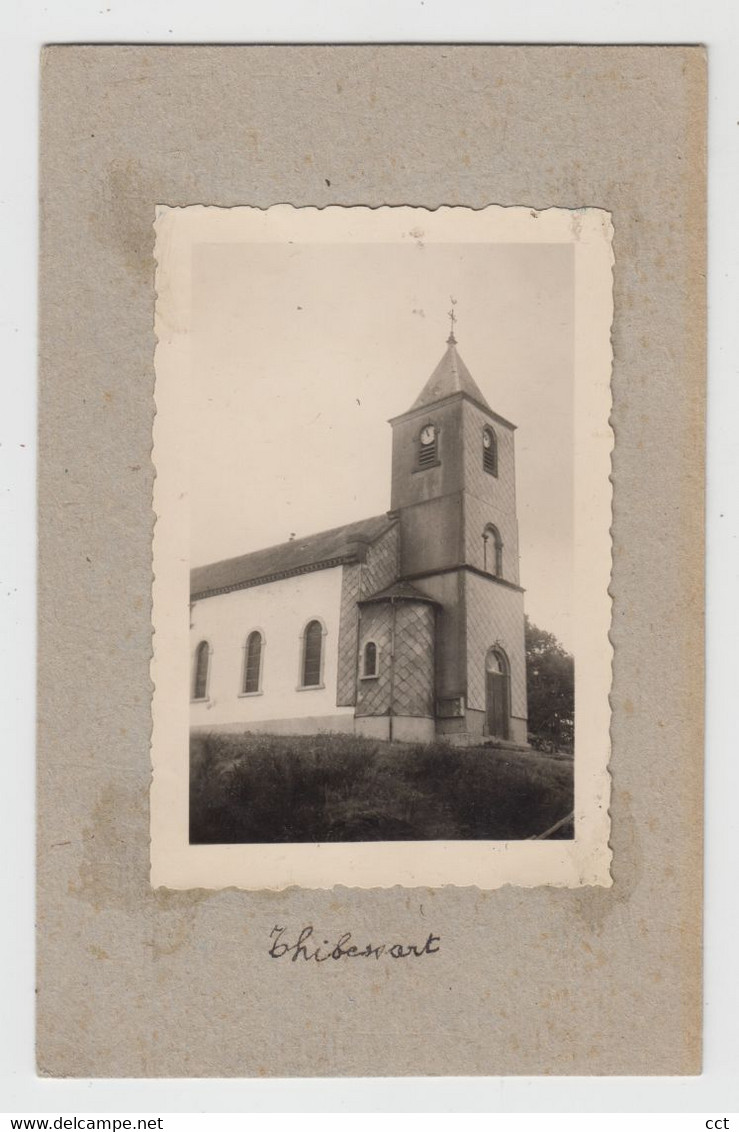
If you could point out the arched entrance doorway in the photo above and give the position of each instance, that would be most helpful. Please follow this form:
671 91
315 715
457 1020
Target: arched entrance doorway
497 694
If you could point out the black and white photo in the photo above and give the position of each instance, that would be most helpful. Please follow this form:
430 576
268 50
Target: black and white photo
383 510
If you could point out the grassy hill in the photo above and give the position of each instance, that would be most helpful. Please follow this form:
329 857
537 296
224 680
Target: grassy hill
270 788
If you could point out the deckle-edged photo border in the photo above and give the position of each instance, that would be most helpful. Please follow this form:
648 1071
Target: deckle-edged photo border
486 864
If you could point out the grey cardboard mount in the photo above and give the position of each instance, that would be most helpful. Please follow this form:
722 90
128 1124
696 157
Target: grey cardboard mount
138 982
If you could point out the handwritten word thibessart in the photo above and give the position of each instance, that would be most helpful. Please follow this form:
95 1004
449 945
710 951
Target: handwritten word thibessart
307 947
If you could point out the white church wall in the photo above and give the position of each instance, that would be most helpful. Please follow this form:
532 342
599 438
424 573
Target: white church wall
280 610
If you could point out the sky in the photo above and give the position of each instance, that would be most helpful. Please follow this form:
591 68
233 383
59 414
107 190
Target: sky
302 352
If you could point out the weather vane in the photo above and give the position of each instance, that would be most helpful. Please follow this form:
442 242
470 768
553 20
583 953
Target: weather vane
453 320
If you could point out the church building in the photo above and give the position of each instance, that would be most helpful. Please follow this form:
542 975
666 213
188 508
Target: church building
406 626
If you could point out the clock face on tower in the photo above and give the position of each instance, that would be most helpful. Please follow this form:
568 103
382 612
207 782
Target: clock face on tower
487 439
427 434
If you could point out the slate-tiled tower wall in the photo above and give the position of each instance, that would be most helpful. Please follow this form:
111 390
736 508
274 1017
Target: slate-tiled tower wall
494 617
413 693
488 498
361 579
404 682
451 633
373 696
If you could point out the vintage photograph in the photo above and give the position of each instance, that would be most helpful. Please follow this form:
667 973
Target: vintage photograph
377 454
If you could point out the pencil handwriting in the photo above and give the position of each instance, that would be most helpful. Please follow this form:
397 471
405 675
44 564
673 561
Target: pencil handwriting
307 947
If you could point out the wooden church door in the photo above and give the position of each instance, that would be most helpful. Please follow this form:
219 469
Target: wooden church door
496 695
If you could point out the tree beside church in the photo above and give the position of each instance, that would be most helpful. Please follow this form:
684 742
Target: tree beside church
550 672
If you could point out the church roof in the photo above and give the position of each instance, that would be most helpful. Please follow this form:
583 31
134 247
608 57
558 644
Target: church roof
399 591
299 556
450 376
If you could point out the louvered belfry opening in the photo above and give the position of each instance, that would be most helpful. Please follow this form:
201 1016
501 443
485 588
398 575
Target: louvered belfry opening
253 662
312 645
427 454
489 452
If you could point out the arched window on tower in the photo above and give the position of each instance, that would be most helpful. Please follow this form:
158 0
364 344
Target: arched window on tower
492 551
253 653
311 666
489 451
200 671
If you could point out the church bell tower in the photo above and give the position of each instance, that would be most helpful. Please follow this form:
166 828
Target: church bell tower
453 490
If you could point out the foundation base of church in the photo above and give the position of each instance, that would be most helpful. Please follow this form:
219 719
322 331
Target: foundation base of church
397 729
302 725
469 730
466 731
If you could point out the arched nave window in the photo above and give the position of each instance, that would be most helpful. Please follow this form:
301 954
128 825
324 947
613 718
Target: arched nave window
311 664
253 653
200 672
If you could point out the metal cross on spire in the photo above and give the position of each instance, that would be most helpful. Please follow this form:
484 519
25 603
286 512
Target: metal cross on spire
453 319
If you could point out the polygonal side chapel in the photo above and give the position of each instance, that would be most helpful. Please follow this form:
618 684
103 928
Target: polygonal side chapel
406 626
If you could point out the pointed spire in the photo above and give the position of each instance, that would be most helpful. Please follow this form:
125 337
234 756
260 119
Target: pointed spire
450 376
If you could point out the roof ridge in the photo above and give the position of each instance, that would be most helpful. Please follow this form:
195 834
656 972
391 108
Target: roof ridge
301 539
314 551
